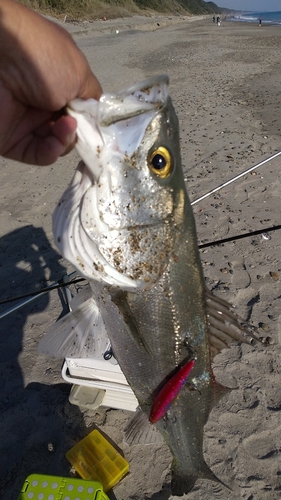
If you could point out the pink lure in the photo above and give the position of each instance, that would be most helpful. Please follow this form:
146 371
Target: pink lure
170 390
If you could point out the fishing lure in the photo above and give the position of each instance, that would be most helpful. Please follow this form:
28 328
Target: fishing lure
169 392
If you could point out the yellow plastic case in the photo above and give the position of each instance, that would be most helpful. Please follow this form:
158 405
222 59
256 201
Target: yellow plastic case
44 487
95 458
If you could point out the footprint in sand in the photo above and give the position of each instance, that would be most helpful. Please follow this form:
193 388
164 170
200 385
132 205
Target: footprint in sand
240 276
266 444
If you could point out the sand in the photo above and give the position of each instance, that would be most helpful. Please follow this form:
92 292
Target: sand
224 82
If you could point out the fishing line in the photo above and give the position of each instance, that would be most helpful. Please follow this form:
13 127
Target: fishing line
73 282
235 178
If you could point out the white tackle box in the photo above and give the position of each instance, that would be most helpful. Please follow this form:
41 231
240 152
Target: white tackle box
95 368
96 381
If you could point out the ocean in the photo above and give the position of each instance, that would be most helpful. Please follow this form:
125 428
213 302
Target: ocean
253 17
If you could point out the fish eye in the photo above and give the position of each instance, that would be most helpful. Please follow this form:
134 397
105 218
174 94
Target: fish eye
160 162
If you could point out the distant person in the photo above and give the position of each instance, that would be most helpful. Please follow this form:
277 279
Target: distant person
260 21
218 21
214 19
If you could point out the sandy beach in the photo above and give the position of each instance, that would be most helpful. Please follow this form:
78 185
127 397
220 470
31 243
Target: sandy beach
225 87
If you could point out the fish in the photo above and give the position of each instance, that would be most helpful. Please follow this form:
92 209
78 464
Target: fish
126 224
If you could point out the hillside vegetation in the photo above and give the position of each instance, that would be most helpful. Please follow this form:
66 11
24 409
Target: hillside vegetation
95 9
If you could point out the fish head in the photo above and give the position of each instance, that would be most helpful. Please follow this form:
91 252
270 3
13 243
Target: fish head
130 193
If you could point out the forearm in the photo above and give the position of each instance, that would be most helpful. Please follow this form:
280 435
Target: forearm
18 28
37 53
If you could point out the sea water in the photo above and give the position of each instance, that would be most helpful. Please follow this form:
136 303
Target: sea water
253 17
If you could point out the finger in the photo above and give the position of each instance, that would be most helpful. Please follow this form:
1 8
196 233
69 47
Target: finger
92 88
60 141
64 130
46 144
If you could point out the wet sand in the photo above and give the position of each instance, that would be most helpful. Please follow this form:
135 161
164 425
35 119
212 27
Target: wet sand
224 82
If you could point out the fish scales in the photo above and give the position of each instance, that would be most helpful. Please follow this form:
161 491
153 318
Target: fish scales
126 223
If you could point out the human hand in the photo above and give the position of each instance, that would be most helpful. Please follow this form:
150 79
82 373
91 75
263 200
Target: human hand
41 70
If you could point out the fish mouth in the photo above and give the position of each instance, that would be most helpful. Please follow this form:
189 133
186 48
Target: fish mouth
136 99
145 85
132 108
111 228
132 227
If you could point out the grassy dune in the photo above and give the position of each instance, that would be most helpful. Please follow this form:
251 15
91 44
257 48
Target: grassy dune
96 9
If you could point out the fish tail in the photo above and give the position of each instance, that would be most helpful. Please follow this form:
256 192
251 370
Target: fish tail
207 473
183 482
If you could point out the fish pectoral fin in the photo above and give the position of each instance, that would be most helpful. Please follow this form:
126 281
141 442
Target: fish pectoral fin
119 299
140 431
81 334
225 327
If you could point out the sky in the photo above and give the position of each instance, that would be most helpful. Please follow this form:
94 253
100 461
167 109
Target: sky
252 5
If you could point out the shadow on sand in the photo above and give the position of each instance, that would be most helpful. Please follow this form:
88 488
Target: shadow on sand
38 424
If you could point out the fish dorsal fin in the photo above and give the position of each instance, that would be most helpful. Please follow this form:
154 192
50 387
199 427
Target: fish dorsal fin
140 431
80 334
225 327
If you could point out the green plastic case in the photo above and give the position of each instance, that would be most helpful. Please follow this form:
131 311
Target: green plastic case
43 487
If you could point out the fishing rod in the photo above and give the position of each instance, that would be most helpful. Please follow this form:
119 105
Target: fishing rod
241 236
34 295
42 291
235 178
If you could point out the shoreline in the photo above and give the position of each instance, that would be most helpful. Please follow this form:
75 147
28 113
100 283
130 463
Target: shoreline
148 24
